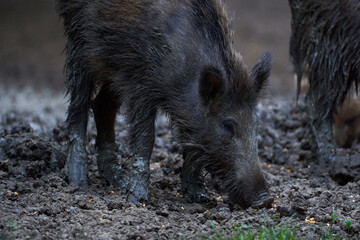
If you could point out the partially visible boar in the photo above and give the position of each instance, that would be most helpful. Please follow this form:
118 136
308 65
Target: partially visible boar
325 45
347 123
173 55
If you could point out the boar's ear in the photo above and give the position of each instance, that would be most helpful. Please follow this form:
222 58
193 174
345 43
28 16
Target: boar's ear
261 72
211 86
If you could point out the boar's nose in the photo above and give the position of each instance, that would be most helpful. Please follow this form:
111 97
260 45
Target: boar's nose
264 201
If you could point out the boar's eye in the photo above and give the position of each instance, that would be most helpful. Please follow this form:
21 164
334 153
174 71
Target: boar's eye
229 125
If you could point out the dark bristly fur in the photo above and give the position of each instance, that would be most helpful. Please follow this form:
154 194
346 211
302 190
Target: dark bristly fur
174 55
325 46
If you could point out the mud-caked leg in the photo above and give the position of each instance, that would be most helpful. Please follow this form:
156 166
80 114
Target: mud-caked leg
322 133
137 168
192 182
76 168
105 107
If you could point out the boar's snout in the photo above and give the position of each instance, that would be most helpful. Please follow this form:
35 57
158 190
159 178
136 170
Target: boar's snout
252 192
264 201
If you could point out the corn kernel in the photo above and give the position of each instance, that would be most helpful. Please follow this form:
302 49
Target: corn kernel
277 197
182 208
166 135
282 168
163 226
178 194
218 198
111 192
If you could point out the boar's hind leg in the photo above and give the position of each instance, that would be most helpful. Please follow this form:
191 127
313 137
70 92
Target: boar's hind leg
192 183
105 107
142 137
76 163
322 132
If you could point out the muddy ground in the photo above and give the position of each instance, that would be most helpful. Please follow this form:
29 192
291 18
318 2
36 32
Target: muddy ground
37 203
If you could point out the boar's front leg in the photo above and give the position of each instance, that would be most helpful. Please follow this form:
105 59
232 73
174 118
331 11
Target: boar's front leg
142 137
105 107
76 168
192 182
321 129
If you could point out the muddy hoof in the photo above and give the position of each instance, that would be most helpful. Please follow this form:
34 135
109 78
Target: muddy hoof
109 168
76 165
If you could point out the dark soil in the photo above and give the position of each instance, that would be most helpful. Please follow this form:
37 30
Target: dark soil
37 203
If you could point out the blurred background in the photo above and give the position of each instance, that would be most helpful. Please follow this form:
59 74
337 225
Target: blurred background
32 42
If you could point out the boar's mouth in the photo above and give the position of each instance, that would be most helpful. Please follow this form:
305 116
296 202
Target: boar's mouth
262 200
252 194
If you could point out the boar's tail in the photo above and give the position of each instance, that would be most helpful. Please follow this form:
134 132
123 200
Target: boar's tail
69 9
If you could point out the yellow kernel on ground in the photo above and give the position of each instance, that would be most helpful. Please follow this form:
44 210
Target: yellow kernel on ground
35 212
16 193
178 194
265 163
166 135
328 224
328 214
266 147
125 211
163 226
312 219
288 170
308 211
274 206
208 210
218 198
285 150
277 197
349 217
89 201
269 166
282 168
102 215
111 192
144 205
182 208
101 219
351 196
159 163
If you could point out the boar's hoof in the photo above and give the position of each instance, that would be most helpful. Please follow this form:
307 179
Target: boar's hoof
136 179
108 166
265 202
76 165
